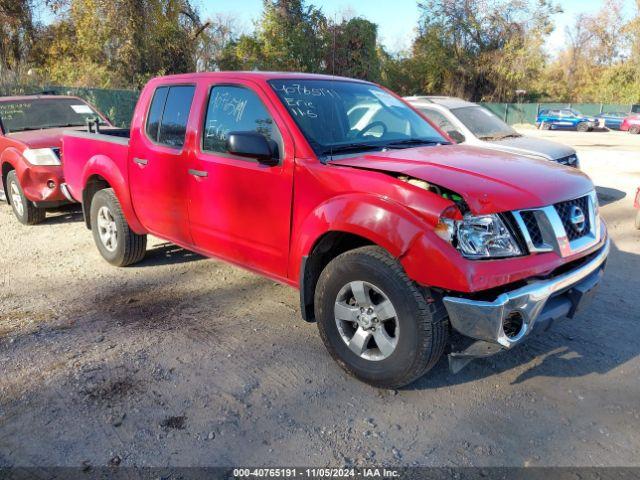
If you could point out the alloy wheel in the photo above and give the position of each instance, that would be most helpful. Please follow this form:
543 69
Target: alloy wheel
16 199
107 229
367 320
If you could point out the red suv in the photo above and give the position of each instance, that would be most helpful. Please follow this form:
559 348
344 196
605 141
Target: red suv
30 139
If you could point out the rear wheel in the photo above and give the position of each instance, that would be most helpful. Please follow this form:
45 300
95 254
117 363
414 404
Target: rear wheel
634 130
117 243
24 210
375 322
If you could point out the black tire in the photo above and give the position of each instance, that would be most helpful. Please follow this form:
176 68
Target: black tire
583 127
27 213
129 247
545 126
423 325
634 130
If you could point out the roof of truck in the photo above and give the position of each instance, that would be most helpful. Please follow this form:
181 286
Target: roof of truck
257 75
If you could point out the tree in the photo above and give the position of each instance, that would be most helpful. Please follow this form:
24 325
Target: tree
351 49
461 45
290 35
17 32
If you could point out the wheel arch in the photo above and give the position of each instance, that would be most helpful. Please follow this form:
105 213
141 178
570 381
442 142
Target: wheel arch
326 248
343 223
101 172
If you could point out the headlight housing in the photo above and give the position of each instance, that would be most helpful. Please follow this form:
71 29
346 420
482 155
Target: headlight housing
41 157
479 237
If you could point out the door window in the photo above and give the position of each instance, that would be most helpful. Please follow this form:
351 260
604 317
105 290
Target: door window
168 115
236 109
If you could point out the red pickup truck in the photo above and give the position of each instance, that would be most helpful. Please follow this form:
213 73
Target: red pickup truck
30 138
403 246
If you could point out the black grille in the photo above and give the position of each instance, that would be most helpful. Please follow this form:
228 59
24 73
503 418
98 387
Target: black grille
564 210
531 224
571 160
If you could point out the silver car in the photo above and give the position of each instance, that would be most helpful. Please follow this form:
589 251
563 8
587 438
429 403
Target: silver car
471 124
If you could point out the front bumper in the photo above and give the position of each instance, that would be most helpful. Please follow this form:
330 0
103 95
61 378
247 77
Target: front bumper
536 304
41 184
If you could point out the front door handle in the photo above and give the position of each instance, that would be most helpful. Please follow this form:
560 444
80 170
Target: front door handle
198 173
141 161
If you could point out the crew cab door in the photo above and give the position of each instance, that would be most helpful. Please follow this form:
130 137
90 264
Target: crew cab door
240 209
157 168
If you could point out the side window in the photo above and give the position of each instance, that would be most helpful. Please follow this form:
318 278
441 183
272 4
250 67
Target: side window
168 115
155 112
439 119
174 118
236 109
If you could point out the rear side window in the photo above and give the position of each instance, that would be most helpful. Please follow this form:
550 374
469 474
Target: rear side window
236 109
168 115
155 112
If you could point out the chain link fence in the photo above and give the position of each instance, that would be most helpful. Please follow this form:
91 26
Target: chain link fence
514 113
118 105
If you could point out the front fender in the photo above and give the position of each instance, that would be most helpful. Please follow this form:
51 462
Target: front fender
105 167
379 220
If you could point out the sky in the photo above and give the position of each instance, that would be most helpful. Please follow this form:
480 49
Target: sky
396 19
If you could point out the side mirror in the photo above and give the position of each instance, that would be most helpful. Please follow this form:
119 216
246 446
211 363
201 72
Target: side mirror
456 136
253 145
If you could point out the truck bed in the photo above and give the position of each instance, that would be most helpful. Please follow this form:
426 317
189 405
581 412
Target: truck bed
81 148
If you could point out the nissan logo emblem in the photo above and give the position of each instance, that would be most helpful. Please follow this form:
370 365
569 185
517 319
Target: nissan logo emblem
577 218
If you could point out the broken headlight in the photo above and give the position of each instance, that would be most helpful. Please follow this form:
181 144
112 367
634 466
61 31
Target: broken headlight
477 237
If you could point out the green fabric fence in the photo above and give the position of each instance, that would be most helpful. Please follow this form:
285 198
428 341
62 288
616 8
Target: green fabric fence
118 105
513 113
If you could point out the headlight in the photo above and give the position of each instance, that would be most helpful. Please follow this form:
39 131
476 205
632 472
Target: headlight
477 237
41 157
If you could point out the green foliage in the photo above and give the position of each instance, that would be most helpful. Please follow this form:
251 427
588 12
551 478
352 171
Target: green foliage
477 49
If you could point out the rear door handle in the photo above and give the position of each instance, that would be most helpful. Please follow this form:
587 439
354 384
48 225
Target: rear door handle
141 161
197 173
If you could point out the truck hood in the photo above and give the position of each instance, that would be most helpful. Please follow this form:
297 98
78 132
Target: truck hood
50 137
489 181
532 146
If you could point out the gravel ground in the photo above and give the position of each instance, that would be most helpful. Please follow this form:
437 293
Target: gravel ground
184 361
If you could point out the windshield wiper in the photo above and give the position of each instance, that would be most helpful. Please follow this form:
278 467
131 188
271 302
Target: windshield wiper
410 142
500 137
351 147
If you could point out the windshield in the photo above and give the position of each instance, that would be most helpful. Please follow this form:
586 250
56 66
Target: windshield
41 113
340 116
484 124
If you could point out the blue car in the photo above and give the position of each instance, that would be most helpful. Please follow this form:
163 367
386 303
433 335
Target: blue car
612 120
565 118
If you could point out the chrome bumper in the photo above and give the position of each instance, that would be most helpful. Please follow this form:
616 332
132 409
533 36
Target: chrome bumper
544 300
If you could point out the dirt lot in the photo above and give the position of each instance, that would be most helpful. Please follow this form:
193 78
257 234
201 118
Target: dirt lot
186 361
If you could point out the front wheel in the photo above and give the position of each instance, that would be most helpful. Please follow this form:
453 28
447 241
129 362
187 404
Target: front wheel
634 130
583 127
375 322
24 210
117 243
